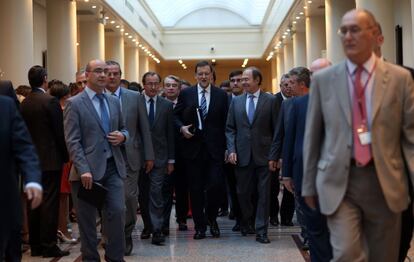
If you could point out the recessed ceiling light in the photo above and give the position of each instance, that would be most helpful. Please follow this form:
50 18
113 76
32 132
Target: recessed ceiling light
301 13
106 17
134 40
298 17
77 44
118 26
86 1
126 33
213 60
309 2
180 61
94 6
305 7
140 45
130 36
284 37
112 22
294 22
288 30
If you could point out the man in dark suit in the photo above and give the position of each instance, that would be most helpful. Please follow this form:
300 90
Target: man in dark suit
177 181
160 117
94 131
17 152
43 116
200 115
6 89
287 206
313 222
138 152
251 123
235 212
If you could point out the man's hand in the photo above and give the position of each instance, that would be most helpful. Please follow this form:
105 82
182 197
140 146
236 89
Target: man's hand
35 196
279 164
185 130
272 165
149 164
116 138
232 158
288 183
170 168
311 201
87 180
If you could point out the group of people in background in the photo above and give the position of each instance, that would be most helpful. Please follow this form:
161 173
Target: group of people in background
339 138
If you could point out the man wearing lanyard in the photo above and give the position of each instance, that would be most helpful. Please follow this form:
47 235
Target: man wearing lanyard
359 144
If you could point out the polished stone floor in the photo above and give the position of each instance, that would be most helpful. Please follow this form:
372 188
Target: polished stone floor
180 246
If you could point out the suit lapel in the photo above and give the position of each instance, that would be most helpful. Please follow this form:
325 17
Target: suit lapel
212 101
112 110
158 106
91 108
124 101
243 106
380 83
340 81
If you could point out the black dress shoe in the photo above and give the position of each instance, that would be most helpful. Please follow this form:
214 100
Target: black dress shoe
236 227
247 230
146 233
274 221
55 251
199 235
182 227
262 239
214 229
165 231
157 238
128 246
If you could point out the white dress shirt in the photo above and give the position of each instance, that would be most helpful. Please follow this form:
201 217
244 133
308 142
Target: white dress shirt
95 101
147 103
255 99
207 95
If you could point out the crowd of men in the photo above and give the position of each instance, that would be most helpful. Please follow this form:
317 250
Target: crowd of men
341 137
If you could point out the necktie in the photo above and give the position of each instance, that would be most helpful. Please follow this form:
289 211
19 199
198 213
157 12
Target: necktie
151 111
203 105
251 109
104 113
362 153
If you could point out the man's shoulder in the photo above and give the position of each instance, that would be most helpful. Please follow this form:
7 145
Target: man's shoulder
164 101
6 102
129 93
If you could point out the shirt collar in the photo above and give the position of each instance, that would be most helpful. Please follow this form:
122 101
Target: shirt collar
283 96
256 94
147 98
41 89
91 94
368 65
199 89
117 92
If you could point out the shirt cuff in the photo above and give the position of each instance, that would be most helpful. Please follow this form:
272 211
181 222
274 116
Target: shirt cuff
33 185
171 161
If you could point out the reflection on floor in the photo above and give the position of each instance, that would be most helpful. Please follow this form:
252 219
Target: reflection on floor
180 246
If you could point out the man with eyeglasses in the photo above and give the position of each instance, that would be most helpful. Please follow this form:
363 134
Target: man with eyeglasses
160 117
359 146
137 151
200 115
95 133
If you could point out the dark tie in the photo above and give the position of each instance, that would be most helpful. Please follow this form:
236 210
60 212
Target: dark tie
151 111
362 153
203 105
250 113
104 113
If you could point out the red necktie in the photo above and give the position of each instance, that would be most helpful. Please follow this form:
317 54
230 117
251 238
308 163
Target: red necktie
362 153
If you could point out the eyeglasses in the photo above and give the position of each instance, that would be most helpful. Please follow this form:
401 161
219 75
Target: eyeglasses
353 30
235 80
153 84
99 71
170 85
114 74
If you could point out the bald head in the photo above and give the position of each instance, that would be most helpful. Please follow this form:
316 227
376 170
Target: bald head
319 64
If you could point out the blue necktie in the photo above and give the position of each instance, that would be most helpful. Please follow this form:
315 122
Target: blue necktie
203 105
151 111
104 113
250 113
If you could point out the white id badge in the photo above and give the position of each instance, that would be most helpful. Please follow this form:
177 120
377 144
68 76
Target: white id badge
365 138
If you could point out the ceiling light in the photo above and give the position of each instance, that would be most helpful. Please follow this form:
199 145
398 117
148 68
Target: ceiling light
309 2
106 17
94 6
285 33
288 30
130 36
126 34
118 26
77 44
271 53
122 30
298 17
112 22
134 40
284 37
243 66
180 61
213 60
86 1
305 7
140 45
301 13
294 22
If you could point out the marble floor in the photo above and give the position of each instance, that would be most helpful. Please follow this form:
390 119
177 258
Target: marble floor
180 246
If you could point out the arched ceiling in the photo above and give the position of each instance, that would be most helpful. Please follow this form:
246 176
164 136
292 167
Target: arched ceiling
169 13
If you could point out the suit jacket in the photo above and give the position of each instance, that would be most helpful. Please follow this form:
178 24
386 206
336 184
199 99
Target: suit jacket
251 141
293 143
328 136
212 135
277 142
162 131
6 89
44 119
139 145
86 138
16 150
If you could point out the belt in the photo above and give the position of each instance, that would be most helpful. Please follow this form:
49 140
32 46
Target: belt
355 163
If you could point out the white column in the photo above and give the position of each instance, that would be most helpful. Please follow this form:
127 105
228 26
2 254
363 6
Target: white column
299 49
315 38
16 43
280 65
288 56
131 64
273 68
61 40
334 10
114 49
143 64
91 42
384 14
